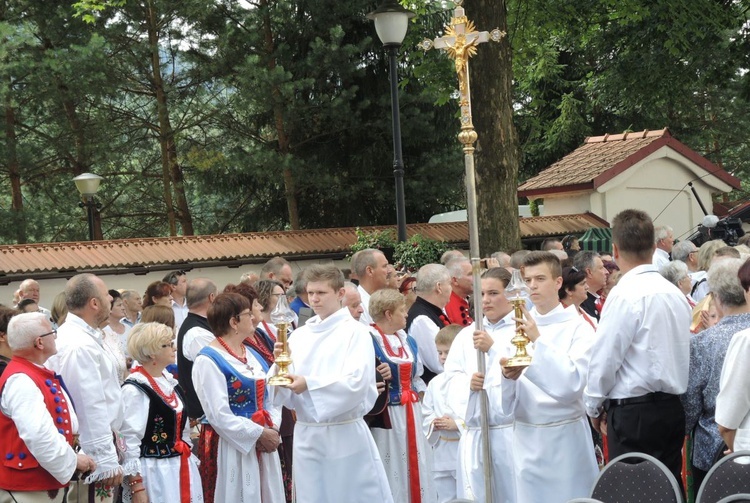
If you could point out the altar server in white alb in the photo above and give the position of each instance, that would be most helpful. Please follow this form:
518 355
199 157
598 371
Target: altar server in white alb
443 421
466 382
407 458
552 445
333 387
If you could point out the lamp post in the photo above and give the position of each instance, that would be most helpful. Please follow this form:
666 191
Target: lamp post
391 23
88 185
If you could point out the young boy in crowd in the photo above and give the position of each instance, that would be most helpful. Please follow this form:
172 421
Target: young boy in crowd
441 419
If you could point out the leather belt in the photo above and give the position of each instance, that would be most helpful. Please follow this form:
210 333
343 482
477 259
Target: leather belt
658 396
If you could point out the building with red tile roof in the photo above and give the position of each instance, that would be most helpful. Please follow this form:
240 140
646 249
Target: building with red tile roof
649 170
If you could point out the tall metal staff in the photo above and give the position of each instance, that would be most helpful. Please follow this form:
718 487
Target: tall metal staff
460 42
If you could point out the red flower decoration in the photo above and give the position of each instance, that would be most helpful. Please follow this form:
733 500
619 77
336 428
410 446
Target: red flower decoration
236 384
240 398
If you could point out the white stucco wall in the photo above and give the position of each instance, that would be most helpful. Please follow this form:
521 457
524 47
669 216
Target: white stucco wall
49 288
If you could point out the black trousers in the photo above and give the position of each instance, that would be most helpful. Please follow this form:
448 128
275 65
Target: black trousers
654 428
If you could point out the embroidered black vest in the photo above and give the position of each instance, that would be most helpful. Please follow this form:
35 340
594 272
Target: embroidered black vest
162 430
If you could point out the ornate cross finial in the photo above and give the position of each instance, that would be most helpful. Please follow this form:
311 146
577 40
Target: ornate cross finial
460 42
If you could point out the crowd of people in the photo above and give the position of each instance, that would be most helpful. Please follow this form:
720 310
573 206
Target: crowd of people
165 397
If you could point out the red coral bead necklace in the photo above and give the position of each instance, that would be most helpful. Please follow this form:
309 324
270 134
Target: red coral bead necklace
170 399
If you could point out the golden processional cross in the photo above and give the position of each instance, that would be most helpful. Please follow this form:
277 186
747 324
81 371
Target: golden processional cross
460 42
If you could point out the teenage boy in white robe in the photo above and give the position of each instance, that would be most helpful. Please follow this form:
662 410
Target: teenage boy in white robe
552 445
466 382
333 387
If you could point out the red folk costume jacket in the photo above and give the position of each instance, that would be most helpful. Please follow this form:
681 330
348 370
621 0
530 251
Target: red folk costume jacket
457 311
20 471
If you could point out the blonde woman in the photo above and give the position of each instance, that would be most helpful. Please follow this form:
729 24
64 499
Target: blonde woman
403 448
158 464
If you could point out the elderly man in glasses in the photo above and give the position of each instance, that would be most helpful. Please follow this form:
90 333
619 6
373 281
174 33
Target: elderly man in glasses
37 421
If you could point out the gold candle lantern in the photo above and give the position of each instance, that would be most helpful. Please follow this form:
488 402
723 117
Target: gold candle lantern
515 290
282 316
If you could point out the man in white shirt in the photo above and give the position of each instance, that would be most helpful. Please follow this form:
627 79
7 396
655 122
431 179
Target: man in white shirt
664 241
553 450
37 421
426 316
178 281
194 335
639 362
333 387
90 373
371 268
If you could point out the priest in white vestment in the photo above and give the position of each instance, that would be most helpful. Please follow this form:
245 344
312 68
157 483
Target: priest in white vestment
552 443
333 387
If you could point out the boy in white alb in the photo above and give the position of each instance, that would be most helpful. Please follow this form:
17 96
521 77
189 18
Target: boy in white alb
552 446
442 421
466 383
333 387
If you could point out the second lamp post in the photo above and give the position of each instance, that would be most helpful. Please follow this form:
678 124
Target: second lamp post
391 23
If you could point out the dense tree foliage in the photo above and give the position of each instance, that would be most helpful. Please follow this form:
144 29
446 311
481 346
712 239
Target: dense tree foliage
208 116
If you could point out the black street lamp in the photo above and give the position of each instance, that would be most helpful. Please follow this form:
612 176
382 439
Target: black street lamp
391 23
88 185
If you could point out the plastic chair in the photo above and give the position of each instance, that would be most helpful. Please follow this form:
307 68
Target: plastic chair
728 477
736 498
635 478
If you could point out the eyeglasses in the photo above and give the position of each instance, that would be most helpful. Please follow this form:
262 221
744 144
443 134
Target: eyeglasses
48 333
241 314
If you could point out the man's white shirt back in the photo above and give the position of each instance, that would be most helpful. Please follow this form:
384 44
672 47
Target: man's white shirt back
643 340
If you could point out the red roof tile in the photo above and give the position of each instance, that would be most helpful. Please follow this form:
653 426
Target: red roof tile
132 255
601 158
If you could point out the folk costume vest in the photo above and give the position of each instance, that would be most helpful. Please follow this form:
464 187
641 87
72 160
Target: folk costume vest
164 427
20 471
423 308
246 396
185 366
401 394
395 386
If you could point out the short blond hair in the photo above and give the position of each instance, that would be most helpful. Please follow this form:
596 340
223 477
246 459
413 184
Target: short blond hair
445 335
146 339
386 299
